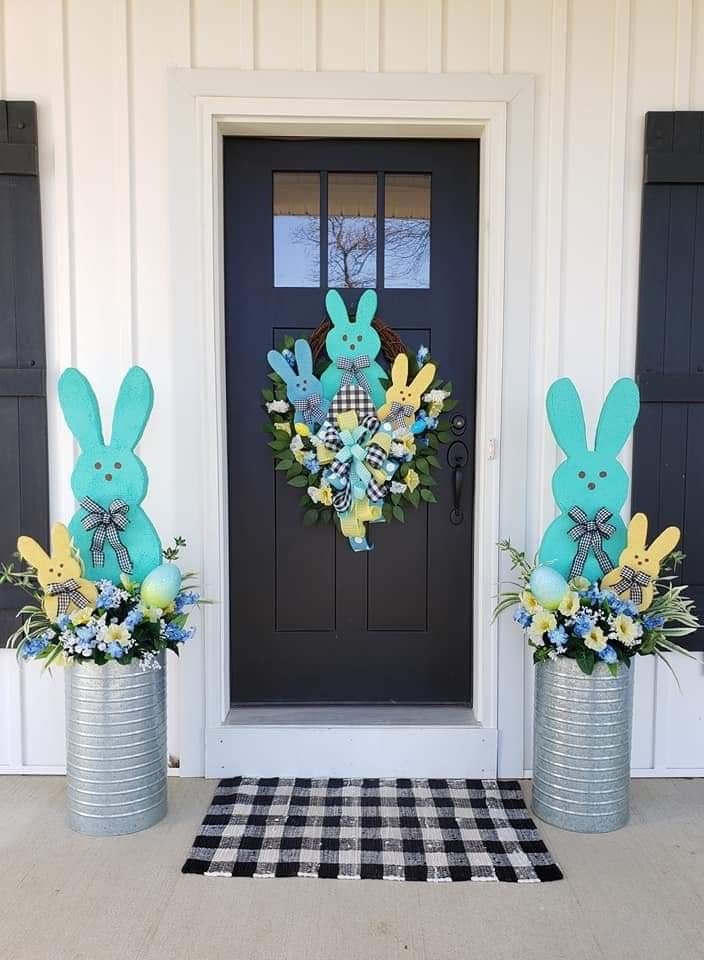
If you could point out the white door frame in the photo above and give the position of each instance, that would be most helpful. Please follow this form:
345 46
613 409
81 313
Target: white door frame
206 105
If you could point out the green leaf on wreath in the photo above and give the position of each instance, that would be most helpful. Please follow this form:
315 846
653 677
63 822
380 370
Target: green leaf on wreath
613 669
428 495
289 343
326 515
422 466
428 481
299 481
449 405
433 441
415 497
395 498
268 395
283 464
403 470
274 377
444 436
586 659
279 444
398 512
448 388
310 517
433 460
294 470
387 511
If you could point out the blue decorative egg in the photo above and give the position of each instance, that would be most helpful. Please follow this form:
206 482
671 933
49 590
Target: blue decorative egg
548 586
419 426
160 587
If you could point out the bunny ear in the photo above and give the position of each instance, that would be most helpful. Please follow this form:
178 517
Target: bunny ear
335 306
80 408
399 370
279 364
304 357
637 531
619 413
134 404
665 543
30 551
366 308
423 378
565 416
60 540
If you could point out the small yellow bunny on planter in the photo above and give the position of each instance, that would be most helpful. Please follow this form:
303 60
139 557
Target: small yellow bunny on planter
60 575
403 398
639 565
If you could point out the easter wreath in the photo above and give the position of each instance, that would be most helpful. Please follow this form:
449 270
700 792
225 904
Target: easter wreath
359 452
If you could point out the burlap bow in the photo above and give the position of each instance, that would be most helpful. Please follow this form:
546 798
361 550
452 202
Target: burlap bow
68 592
107 524
632 581
311 409
398 414
352 371
590 535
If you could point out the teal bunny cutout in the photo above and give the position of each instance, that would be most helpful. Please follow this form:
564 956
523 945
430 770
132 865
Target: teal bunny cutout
591 486
111 531
353 346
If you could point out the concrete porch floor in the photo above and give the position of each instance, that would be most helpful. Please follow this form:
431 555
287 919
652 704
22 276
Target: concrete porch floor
632 894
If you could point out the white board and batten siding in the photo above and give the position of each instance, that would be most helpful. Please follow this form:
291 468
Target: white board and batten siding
98 71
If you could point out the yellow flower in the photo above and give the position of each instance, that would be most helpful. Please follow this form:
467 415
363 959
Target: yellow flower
81 615
530 603
579 583
435 409
542 623
302 429
569 605
627 631
412 480
326 494
299 454
284 426
116 633
409 443
595 639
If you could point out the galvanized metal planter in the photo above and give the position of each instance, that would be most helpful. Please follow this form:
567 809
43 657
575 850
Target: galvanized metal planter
582 746
116 747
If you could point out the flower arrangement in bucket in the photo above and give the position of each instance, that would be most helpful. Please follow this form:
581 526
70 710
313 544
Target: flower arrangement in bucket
599 595
359 452
107 602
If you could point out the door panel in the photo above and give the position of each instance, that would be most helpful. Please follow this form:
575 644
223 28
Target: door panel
311 621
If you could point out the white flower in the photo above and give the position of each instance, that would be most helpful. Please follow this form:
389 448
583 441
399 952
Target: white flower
398 450
595 639
436 396
530 603
296 444
397 487
152 614
626 630
115 633
314 494
569 605
543 622
277 406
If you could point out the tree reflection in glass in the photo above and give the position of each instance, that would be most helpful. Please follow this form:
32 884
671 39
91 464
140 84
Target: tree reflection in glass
407 230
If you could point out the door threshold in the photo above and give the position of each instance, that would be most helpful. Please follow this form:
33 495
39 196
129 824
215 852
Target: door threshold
352 715
351 741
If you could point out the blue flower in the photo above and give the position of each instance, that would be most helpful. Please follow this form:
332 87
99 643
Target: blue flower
109 596
582 625
310 462
186 599
290 359
432 423
134 617
422 355
424 441
653 621
35 645
624 606
608 654
558 636
178 634
594 594
116 650
523 617
86 635
63 621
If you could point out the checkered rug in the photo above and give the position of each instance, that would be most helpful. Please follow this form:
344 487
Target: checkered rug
371 829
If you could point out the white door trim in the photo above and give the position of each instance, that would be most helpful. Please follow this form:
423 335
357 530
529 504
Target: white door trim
205 105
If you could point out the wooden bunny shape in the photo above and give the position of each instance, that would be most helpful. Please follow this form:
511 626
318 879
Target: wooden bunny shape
60 575
639 565
404 398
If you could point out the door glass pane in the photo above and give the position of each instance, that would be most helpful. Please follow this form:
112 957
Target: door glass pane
352 230
407 230
296 229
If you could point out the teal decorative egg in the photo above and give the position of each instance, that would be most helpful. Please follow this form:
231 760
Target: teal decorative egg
160 587
548 586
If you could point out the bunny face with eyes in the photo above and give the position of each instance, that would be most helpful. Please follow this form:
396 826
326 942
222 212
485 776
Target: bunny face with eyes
303 389
108 472
641 560
588 480
401 395
63 565
353 346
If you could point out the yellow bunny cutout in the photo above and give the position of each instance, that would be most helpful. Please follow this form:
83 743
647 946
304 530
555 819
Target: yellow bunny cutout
402 398
59 575
639 565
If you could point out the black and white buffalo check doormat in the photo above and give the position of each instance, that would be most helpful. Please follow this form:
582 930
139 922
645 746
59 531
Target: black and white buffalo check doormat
358 829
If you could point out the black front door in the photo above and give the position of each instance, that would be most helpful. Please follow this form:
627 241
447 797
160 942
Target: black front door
311 621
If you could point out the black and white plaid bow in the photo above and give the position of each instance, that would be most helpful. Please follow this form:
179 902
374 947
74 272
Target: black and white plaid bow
590 535
68 592
632 581
372 455
107 524
352 371
311 409
398 414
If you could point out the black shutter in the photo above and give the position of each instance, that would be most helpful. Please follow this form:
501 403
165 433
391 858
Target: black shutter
24 481
668 454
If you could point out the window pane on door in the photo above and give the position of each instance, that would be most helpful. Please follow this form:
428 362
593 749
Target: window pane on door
352 230
296 218
407 230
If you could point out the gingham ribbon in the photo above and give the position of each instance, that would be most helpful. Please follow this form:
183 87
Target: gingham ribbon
352 371
590 535
68 592
352 461
107 524
632 581
311 409
398 413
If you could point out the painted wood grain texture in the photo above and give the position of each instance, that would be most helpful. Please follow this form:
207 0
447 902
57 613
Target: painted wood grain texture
98 71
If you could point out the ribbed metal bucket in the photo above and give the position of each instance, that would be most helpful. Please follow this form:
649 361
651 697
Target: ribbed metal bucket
582 746
116 747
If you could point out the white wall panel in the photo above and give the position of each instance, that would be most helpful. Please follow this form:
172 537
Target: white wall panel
98 70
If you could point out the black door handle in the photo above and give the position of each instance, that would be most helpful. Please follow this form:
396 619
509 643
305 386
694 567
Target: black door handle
458 458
